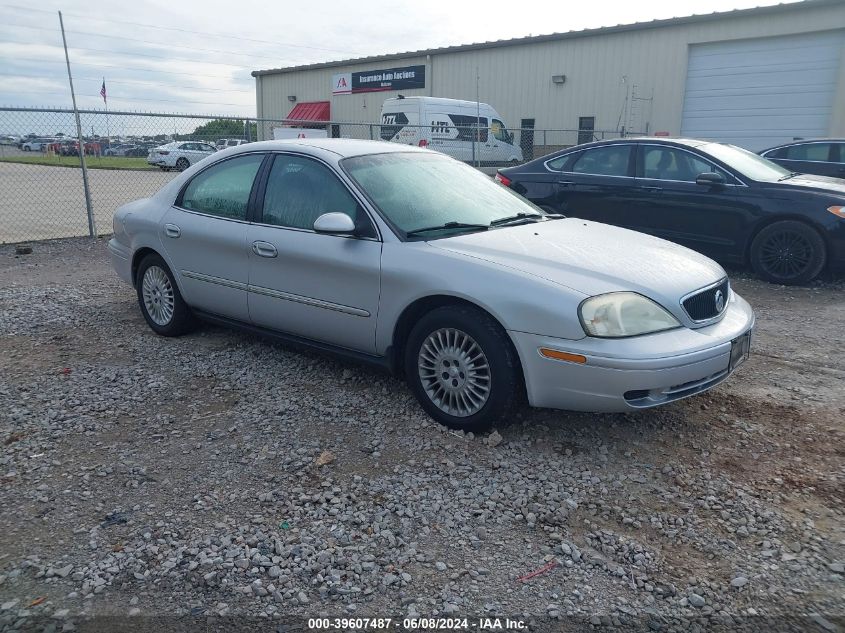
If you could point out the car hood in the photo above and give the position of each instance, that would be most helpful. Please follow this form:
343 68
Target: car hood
593 258
821 184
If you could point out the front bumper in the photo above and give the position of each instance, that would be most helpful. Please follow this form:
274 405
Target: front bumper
634 373
121 259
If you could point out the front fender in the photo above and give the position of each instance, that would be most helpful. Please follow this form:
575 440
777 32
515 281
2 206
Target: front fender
518 301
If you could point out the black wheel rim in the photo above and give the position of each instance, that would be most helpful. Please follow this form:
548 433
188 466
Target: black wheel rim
786 254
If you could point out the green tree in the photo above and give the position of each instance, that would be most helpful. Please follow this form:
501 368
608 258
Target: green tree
223 128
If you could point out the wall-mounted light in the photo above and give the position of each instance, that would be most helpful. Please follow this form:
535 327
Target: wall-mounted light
558 79
291 98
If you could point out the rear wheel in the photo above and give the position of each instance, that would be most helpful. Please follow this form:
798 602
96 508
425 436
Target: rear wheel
182 164
788 252
159 298
462 368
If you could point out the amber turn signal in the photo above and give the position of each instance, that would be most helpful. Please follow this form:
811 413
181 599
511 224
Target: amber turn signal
840 211
558 355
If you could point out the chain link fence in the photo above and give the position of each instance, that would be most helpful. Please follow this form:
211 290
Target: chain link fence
131 155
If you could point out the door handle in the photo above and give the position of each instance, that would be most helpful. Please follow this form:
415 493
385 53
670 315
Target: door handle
565 183
652 189
171 230
264 249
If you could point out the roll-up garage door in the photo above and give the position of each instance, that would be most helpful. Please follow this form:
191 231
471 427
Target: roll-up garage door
761 92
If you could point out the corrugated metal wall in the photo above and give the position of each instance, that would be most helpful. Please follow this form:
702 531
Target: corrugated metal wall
634 78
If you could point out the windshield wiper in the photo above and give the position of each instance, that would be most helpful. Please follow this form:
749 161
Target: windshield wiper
534 217
448 225
791 174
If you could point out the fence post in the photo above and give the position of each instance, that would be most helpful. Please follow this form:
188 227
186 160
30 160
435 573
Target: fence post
92 227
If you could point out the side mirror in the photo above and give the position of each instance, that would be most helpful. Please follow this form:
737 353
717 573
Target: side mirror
338 223
710 179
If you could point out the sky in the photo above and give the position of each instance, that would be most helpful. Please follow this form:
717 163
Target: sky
195 56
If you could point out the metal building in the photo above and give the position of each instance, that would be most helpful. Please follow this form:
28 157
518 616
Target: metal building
754 77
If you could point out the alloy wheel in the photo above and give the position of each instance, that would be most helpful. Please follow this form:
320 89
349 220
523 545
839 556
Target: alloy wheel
454 372
158 295
786 254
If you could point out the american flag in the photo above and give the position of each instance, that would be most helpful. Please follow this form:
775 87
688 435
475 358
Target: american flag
103 91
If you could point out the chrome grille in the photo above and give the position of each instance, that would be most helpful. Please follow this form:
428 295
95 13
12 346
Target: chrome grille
703 305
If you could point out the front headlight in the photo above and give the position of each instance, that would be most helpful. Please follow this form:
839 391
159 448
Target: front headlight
621 314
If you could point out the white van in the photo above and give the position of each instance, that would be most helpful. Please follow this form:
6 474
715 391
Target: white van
450 126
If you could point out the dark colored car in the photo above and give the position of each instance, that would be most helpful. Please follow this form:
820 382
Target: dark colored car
823 157
141 150
720 200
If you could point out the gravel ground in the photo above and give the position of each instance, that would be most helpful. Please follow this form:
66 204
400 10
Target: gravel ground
223 475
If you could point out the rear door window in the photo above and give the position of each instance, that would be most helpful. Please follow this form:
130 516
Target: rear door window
611 160
817 152
559 163
780 152
223 189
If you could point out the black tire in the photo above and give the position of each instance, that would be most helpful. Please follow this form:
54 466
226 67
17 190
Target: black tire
788 252
504 375
181 319
182 164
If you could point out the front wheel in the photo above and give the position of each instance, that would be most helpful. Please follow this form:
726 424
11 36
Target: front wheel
160 300
462 368
788 252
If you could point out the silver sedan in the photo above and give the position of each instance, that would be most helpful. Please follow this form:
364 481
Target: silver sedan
408 259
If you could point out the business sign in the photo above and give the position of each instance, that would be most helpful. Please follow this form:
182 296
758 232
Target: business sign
342 84
403 78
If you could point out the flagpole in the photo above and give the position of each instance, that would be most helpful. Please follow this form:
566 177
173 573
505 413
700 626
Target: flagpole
108 129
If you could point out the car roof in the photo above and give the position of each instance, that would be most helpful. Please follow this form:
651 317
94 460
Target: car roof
343 147
804 141
689 142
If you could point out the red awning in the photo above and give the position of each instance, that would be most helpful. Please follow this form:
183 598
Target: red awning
318 111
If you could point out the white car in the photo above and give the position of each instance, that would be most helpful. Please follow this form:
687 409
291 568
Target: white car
223 143
180 154
37 144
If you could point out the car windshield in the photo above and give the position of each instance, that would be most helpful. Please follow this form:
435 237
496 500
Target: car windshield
746 163
415 190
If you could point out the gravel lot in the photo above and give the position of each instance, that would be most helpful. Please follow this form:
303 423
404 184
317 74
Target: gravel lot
221 474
